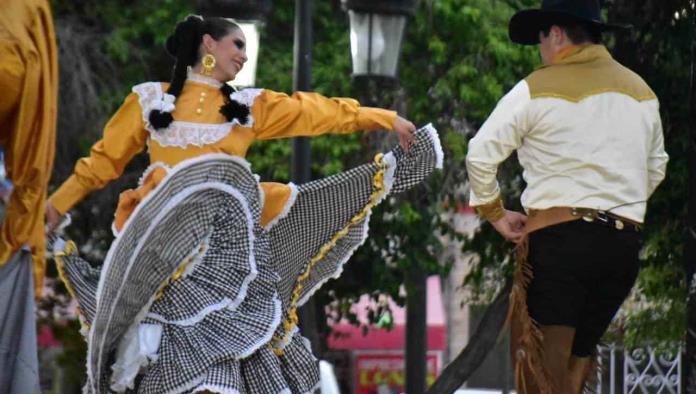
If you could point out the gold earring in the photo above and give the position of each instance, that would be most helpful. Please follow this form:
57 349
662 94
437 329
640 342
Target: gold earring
208 62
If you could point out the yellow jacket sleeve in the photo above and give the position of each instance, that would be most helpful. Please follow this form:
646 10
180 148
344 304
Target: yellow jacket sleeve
124 137
277 115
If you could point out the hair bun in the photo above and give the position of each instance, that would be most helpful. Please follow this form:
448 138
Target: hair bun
184 33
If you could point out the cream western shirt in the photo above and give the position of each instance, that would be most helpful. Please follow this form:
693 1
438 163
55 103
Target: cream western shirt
587 132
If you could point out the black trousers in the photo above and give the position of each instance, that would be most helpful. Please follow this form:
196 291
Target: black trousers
582 274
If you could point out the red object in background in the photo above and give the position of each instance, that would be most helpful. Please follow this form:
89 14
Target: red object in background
382 372
378 357
346 336
46 339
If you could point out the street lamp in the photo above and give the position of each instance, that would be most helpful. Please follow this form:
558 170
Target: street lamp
249 15
376 31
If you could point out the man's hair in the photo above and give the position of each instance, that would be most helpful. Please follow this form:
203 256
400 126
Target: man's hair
578 32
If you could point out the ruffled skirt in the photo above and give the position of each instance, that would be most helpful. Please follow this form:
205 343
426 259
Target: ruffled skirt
225 318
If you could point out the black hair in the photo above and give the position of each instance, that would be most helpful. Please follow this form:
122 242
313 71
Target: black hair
578 32
183 45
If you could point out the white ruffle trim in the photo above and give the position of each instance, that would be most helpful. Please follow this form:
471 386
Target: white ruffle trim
180 134
437 146
195 77
246 97
164 104
390 162
214 388
286 209
136 350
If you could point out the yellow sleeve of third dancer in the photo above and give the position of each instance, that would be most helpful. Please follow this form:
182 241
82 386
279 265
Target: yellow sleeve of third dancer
124 137
277 115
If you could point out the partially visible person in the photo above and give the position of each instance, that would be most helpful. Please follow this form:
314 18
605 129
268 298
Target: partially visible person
588 134
29 85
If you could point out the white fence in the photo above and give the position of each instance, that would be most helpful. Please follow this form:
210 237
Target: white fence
640 371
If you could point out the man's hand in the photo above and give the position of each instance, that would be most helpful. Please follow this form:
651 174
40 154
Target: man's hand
405 130
511 226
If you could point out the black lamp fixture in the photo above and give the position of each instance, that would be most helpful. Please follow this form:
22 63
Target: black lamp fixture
376 31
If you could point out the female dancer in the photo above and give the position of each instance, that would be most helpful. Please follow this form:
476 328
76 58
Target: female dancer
200 288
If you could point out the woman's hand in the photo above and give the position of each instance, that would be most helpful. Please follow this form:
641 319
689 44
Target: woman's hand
53 218
405 130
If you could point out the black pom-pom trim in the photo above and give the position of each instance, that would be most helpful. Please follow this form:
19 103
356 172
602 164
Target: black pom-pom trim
226 90
159 119
235 110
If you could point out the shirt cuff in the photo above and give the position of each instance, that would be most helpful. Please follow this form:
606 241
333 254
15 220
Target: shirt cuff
375 118
493 211
67 195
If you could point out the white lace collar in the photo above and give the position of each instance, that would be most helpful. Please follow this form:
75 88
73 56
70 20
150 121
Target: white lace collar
195 77
183 134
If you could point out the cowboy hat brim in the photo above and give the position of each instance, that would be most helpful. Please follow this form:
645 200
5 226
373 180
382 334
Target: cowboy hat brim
525 25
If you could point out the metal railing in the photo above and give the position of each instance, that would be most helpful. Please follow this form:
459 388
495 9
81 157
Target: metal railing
642 371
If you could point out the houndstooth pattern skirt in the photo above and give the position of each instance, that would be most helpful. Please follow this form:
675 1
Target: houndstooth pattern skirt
195 295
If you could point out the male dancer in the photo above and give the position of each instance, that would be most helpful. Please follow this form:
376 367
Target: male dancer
588 134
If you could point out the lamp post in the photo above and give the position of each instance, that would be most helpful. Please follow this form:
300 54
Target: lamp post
301 152
249 15
376 33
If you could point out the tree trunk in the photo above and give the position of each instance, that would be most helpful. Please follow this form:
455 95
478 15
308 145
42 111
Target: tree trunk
416 337
480 344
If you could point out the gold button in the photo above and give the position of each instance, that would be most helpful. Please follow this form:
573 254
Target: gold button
201 100
198 111
202 94
619 225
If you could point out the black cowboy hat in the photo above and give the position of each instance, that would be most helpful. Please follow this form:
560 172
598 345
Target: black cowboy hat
525 25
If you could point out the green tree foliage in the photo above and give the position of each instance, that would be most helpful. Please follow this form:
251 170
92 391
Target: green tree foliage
661 50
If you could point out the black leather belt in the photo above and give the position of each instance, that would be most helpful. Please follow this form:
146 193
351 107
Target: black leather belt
606 219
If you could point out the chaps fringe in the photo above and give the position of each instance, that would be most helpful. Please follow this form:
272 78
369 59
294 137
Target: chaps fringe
526 341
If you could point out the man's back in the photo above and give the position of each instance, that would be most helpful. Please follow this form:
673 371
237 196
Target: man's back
587 131
593 124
